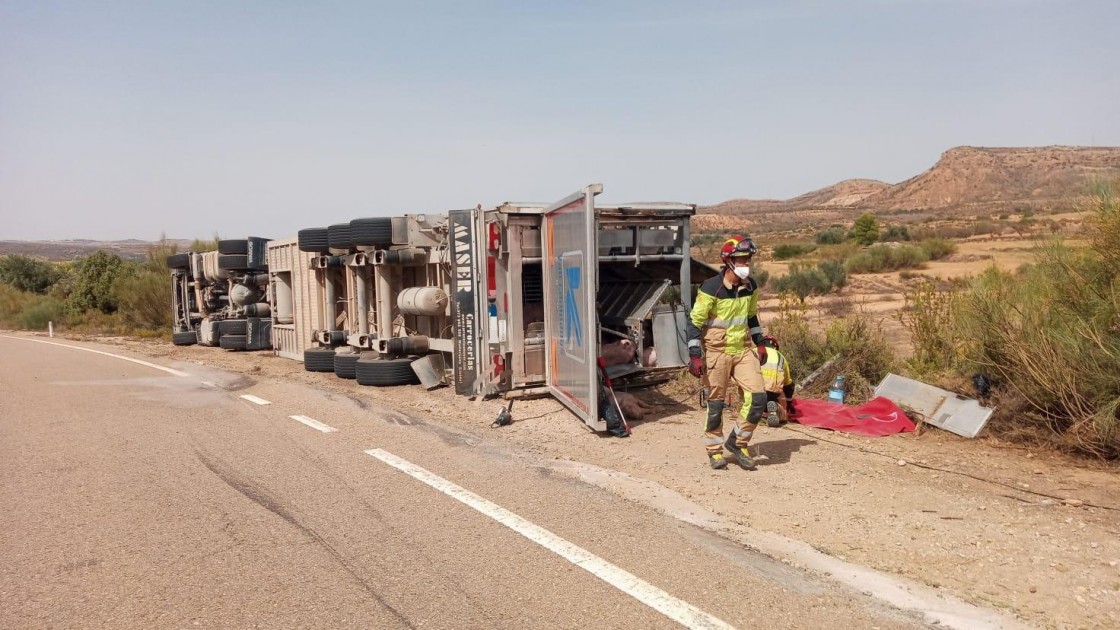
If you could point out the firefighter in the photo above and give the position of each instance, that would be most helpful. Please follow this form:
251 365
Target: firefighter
725 342
776 377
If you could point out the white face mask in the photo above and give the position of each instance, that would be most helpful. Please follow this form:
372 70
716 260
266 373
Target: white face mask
742 272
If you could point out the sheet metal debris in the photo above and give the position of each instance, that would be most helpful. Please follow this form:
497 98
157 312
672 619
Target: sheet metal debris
941 408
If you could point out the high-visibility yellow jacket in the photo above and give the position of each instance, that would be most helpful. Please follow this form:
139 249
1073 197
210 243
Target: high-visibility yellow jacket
732 310
775 372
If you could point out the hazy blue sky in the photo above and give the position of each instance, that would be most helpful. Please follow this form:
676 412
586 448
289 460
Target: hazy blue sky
128 119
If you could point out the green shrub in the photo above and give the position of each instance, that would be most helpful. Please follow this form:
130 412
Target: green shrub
840 252
21 309
928 315
803 281
785 251
12 303
42 310
94 278
865 231
761 276
1104 237
834 271
27 273
937 248
895 233
862 351
880 258
831 236
863 262
1048 334
144 300
790 325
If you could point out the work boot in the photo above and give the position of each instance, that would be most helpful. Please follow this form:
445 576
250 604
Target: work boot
717 461
738 454
772 419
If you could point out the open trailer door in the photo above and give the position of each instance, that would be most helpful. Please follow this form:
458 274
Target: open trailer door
570 264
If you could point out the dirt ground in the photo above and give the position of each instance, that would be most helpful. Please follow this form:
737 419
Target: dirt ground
1033 534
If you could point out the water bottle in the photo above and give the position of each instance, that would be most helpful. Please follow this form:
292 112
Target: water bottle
836 392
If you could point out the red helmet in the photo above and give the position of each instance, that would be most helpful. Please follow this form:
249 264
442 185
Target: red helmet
736 247
770 340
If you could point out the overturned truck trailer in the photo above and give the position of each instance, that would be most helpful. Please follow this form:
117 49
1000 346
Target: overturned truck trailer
491 300
219 297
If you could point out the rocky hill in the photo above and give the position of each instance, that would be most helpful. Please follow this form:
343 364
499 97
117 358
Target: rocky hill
965 177
849 192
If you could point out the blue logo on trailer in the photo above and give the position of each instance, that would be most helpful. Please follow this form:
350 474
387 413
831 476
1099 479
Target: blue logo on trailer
573 326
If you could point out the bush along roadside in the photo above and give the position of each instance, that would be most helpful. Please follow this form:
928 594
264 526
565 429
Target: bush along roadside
99 293
1047 335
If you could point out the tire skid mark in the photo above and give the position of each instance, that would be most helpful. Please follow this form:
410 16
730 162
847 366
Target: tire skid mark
262 499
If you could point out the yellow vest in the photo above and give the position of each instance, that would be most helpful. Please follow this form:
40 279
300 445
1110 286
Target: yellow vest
775 372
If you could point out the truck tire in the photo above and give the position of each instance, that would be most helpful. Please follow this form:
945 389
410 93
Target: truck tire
232 342
372 232
179 261
233 262
188 338
318 359
344 364
314 240
231 327
338 236
382 372
233 246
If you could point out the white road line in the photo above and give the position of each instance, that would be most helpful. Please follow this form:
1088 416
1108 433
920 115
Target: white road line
314 424
253 399
209 384
678 610
108 354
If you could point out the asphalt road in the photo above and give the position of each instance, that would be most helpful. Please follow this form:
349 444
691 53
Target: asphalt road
134 497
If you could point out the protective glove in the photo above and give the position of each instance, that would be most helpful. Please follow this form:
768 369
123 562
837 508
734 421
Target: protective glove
761 354
696 366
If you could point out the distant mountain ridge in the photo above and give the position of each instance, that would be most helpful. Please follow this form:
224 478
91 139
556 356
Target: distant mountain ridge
963 177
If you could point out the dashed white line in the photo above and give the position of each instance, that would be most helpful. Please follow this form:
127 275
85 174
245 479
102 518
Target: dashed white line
108 354
314 424
676 609
254 399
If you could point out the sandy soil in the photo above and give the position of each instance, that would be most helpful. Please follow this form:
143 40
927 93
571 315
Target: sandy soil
1029 533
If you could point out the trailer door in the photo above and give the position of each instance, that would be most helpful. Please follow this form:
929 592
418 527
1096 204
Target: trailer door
570 261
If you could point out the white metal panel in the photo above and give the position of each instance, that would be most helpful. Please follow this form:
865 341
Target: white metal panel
939 407
570 281
290 340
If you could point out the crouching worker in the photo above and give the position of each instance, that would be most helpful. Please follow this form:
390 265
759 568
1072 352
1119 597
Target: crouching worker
725 342
778 382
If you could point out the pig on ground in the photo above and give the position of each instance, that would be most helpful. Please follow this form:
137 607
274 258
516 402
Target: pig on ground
632 406
618 352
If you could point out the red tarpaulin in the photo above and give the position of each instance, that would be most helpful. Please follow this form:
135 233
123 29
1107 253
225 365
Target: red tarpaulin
873 418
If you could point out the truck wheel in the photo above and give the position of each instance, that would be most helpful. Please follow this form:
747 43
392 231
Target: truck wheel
318 359
344 364
233 246
232 342
314 240
233 262
338 236
179 261
188 338
381 372
231 327
375 231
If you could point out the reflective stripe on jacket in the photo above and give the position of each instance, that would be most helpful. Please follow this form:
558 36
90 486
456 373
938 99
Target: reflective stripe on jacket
733 309
775 372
